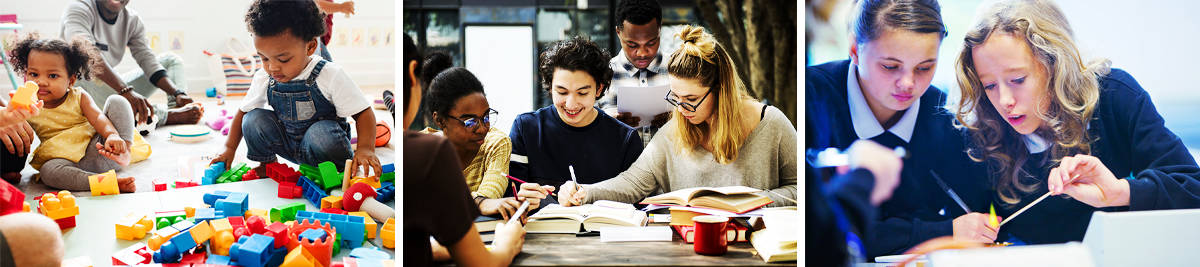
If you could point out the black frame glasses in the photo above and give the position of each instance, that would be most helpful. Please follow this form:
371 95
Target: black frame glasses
686 106
474 121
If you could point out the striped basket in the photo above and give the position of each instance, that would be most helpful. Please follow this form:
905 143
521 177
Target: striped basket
238 73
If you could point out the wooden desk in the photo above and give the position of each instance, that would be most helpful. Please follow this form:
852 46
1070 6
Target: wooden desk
567 249
95 237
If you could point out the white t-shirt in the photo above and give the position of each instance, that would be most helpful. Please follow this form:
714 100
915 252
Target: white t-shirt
333 81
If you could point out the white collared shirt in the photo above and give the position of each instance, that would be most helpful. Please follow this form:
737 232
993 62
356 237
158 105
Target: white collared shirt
865 124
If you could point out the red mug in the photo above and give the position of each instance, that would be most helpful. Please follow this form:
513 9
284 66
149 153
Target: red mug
711 236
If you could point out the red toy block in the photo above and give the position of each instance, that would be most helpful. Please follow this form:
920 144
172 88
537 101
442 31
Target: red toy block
160 184
282 173
132 255
321 250
184 183
256 225
280 232
290 190
66 223
193 259
9 197
334 211
250 175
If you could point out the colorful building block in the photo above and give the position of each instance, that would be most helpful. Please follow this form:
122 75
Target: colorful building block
161 236
321 249
388 233
58 206
252 251
313 234
194 259
386 192
282 173
232 203
201 232
256 225
389 173
368 180
185 183
310 171
233 174
65 223
217 259
167 218
104 184
172 251
221 224
133 226
277 255
312 192
279 231
390 167
299 257
290 190
367 222
25 96
190 211
132 255
350 227
215 170
369 253
286 212
221 241
333 211
330 177
160 184
331 202
250 175
258 212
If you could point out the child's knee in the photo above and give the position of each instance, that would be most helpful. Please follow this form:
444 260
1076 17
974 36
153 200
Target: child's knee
328 138
255 120
24 228
114 102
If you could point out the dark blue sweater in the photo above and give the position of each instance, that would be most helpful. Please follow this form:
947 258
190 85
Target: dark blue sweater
918 209
1133 143
599 151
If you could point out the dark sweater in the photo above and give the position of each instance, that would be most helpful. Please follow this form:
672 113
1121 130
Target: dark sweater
1133 143
919 209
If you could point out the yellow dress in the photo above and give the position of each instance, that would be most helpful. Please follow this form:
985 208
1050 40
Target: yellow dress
484 173
63 130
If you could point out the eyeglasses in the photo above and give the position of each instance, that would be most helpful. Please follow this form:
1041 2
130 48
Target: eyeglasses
674 100
473 122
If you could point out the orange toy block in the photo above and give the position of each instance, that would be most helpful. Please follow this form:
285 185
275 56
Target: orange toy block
261 213
161 236
321 250
25 96
25 206
220 225
104 184
58 206
201 232
221 242
388 233
299 258
367 222
373 181
134 226
331 202
190 212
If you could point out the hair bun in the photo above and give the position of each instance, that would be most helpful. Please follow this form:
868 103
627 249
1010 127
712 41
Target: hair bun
696 42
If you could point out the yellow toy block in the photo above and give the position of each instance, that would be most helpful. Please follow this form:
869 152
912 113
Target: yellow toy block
221 225
373 181
388 233
161 236
334 202
104 184
221 242
299 257
201 232
367 222
133 226
58 206
261 213
25 206
26 95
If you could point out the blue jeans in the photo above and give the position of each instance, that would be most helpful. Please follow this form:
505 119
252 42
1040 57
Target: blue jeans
265 137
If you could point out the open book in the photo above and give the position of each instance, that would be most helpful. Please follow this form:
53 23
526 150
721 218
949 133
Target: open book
568 220
736 199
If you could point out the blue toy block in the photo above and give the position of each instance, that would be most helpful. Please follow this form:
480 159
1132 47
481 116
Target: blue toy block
232 203
215 259
215 170
277 255
252 250
204 214
386 192
350 228
369 253
312 192
183 241
313 234
390 167
172 250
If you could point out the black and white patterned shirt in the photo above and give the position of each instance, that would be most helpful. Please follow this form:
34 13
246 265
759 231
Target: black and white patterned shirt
626 75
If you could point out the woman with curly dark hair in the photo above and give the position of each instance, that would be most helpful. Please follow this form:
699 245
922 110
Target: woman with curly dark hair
78 138
572 132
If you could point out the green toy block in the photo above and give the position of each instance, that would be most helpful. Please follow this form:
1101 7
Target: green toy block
337 241
162 220
387 177
286 212
311 172
330 177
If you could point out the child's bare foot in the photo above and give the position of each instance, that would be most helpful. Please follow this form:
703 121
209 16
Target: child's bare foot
13 178
126 184
261 170
188 114
122 158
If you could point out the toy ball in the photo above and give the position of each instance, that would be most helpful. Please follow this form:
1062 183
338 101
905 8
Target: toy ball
383 134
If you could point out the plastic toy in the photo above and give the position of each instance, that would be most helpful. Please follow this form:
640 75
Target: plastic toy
190 134
299 257
160 184
104 183
312 192
322 249
232 203
61 208
25 96
252 250
281 173
218 259
286 212
369 253
278 231
330 177
220 123
383 134
185 183
221 241
256 225
334 202
132 255
161 236
310 171
250 175
350 228
361 196
221 224
368 223
212 172
193 259
386 192
167 218
290 190
388 233
133 226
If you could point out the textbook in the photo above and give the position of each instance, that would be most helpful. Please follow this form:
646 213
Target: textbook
568 220
486 223
736 199
773 246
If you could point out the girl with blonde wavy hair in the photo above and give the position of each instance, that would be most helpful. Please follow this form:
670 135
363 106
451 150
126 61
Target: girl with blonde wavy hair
1045 120
719 136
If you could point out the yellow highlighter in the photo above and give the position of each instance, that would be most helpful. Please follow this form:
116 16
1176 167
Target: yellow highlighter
995 223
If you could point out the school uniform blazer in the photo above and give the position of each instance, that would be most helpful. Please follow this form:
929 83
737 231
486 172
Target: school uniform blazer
919 209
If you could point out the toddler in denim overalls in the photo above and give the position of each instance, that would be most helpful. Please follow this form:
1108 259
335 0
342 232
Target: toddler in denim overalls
303 128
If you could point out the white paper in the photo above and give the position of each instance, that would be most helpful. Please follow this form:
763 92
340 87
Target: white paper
643 102
633 234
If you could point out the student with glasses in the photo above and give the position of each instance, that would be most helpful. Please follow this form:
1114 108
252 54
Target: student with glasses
460 108
717 136
573 132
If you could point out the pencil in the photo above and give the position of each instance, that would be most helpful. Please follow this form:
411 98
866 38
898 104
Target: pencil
520 181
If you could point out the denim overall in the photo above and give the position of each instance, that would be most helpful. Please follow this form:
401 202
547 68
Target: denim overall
311 130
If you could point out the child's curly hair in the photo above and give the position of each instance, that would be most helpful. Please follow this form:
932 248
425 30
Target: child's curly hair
81 57
271 17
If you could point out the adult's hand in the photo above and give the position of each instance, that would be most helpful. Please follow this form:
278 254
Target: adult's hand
17 138
141 108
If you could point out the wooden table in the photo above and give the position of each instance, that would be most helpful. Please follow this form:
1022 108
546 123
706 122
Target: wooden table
567 249
94 235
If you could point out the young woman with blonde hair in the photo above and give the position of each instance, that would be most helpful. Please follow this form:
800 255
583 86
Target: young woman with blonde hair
1045 120
718 136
